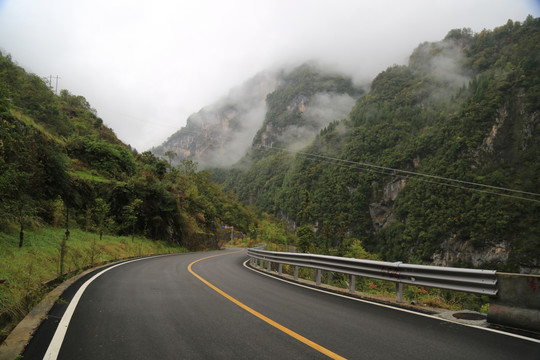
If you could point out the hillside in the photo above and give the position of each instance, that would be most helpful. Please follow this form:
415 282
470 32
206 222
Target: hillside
61 166
464 111
221 134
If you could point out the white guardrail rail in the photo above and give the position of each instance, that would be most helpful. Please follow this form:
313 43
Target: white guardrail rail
474 281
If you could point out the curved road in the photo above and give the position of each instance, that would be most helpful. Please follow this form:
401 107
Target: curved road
157 308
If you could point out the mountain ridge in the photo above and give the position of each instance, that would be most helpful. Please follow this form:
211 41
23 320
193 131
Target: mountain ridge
220 134
61 165
464 108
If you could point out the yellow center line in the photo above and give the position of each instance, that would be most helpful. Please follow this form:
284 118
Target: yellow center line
278 326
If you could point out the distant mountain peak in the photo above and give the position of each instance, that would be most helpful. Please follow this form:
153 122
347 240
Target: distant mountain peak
286 106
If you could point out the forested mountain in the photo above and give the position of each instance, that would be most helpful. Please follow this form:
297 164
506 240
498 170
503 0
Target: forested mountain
59 164
219 135
464 112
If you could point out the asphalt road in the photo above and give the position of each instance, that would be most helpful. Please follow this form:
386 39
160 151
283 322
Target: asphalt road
157 309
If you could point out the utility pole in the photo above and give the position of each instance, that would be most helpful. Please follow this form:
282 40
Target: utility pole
56 85
49 82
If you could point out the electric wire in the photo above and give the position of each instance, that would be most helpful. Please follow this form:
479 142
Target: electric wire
384 170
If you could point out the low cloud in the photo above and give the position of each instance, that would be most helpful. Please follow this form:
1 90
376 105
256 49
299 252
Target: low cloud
444 62
323 109
147 65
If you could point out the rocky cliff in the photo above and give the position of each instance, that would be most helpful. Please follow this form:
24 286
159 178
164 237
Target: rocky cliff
465 109
220 134
285 107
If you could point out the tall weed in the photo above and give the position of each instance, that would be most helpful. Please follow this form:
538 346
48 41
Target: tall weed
47 255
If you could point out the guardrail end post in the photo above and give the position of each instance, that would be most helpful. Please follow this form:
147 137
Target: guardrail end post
296 273
318 274
352 284
399 292
280 268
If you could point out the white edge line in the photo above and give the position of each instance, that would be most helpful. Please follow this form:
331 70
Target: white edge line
388 306
56 343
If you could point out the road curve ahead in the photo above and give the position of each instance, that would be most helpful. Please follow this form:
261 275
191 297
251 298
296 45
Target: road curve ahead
209 306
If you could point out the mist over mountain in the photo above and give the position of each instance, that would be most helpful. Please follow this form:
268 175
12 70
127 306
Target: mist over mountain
60 164
464 112
221 134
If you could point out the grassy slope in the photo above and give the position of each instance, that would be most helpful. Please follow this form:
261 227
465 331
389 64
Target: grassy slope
23 271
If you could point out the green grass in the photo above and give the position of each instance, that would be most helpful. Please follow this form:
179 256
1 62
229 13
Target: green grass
31 122
86 175
24 270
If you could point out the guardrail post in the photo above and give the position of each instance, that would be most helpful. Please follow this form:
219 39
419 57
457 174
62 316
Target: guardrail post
473 281
269 265
399 292
280 268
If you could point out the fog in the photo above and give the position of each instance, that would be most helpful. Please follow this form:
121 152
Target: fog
321 111
443 60
146 66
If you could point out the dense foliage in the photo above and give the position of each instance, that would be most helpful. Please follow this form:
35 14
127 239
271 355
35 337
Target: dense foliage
59 164
258 178
465 108
286 105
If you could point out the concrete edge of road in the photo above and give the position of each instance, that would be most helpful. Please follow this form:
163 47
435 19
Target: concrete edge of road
436 313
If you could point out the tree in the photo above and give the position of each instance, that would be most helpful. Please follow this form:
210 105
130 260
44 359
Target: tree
101 212
305 235
16 205
170 155
24 211
305 214
188 167
129 214
57 205
161 170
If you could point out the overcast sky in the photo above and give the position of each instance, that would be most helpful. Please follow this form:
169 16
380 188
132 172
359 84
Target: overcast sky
145 66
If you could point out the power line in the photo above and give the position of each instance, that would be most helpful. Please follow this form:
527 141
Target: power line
417 176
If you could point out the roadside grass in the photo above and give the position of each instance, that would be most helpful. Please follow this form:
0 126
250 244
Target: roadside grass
24 271
90 176
245 242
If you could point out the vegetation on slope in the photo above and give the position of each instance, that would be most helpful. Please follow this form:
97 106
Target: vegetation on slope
258 178
67 184
59 164
464 108
26 274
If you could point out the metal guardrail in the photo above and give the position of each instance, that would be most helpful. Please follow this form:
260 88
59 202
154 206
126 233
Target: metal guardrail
472 281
